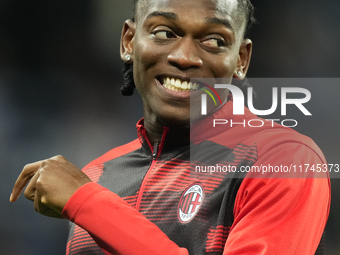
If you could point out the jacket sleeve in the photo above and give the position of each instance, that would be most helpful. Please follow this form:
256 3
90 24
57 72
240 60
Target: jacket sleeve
284 213
115 226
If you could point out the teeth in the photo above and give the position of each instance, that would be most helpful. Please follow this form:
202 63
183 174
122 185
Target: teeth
179 86
178 83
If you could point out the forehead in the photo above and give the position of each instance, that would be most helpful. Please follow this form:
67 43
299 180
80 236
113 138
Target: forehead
218 3
227 9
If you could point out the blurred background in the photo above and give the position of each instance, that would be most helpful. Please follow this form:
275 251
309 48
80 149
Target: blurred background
60 72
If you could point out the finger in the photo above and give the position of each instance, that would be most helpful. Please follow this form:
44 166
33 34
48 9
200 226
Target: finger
31 188
42 208
58 158
24 177
36 199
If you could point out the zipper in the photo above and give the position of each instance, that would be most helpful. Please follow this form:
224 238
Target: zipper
156 151
142 187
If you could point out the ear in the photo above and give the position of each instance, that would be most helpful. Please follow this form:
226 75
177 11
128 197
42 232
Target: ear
127 39
243 59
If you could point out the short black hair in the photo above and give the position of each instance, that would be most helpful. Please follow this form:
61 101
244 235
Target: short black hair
245 7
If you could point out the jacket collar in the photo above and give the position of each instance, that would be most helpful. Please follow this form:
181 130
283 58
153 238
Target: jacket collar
200 130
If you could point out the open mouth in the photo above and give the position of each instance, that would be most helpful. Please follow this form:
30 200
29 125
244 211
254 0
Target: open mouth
178 85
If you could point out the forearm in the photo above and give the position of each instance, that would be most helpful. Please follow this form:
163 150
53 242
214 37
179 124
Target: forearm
116 226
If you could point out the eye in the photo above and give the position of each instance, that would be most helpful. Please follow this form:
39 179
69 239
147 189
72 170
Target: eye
214 43
164 34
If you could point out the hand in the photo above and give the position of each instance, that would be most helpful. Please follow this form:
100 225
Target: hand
51 184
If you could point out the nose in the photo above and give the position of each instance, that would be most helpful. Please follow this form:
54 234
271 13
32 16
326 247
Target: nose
185 54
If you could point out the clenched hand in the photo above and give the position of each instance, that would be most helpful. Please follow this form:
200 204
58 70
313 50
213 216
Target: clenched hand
51 184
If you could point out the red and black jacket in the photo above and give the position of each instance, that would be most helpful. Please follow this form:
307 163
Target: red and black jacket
159 199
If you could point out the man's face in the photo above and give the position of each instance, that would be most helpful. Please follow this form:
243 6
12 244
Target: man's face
175 40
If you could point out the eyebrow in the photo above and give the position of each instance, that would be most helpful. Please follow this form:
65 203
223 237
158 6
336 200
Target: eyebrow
168 15
210 20
217 21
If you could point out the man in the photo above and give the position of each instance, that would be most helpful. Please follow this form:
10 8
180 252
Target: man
154 203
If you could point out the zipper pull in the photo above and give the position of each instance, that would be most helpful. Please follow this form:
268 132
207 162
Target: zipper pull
155 151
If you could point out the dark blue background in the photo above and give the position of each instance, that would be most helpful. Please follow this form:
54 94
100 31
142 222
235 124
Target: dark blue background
59 76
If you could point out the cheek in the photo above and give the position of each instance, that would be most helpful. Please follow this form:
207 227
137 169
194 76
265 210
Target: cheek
145 59
141 61
225 67
142 57
145 67
145 52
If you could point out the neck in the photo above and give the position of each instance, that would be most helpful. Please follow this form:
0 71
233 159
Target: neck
155 128
153 131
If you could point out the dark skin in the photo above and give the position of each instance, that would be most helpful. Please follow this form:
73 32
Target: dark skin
171 38
51 183
182 44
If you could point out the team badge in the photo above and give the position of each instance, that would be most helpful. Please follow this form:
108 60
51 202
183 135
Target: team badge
190 202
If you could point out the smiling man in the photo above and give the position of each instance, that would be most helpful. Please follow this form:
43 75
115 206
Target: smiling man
144 197
178 40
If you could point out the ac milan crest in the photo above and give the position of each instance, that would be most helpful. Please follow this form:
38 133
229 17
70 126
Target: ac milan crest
190 202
